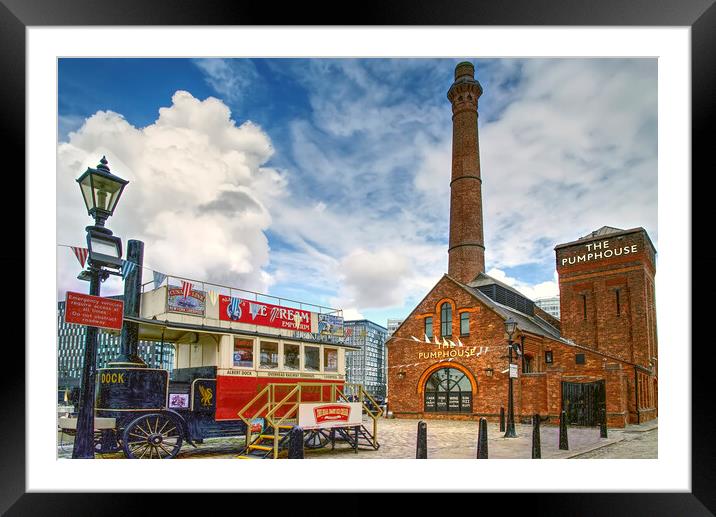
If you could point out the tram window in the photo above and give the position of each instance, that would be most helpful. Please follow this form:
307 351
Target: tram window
244 353
269 355
330 360
312 358
291 357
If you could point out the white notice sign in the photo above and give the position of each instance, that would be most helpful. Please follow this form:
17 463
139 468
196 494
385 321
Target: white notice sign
513 371
330 414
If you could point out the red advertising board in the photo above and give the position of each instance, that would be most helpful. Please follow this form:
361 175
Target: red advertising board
95 311
265 314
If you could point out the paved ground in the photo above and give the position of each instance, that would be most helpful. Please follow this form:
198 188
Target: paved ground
455 439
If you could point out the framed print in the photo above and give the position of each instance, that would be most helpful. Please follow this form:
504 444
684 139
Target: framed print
674 39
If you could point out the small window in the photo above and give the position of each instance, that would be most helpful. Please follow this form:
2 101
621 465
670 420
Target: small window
243 353
579 358
330 360
312 358
548 357
446 319
465 324
584 306
429 327
527 364
291 356
269 355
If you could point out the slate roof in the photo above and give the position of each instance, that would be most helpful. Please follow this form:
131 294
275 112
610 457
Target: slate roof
604 230
532 324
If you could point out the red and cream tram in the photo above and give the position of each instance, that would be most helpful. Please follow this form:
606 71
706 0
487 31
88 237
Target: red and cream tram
241 368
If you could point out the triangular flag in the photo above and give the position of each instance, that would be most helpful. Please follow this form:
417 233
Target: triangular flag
436 340
427 339
158 279
81 254
186 288
452 345
459 343
445 343
213 297
127 268
415 339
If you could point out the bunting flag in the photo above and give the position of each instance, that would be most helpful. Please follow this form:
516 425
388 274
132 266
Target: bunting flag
436 340
445 343
452 344
459 343
415 339
234 305
427 340
127 268
81 254
213 297
158 279
186 288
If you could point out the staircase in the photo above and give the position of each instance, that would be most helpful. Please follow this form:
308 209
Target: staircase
264 445
364 439
280 412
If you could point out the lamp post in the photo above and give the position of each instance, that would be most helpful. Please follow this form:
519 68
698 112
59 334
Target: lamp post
101 191
510 326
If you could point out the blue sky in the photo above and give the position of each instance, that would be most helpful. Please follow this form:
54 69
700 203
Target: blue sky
327 180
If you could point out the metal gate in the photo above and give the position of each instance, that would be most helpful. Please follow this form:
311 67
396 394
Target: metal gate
582 402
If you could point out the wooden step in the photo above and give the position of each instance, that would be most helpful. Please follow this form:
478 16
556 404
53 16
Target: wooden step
247 458
260 447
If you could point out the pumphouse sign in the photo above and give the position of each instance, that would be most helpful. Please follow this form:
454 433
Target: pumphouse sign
443 352
599 250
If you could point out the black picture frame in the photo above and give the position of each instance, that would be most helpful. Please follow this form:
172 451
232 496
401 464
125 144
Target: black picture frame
700 15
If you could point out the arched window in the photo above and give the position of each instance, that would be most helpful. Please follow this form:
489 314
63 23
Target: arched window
448 390
446 319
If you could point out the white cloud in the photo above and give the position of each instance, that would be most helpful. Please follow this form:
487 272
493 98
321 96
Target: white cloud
197 194
532 291
231 78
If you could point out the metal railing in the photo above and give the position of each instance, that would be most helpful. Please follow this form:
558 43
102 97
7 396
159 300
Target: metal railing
174 282
276 412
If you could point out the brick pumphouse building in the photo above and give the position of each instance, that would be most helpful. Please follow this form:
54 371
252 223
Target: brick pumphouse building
449 358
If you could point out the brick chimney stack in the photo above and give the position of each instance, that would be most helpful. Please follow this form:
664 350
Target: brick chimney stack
466 254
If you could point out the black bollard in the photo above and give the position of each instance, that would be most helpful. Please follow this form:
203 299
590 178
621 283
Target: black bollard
295 444
536 447
482 440
502 420
602 423
422 445
563 441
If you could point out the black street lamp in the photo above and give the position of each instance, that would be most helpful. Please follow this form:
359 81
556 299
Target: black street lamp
101 190
510 326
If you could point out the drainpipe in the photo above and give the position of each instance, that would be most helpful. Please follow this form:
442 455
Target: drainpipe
636 395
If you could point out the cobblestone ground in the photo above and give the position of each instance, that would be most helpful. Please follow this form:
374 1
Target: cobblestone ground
456 439
641 445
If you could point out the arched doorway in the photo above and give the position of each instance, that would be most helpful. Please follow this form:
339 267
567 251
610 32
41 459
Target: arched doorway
448 390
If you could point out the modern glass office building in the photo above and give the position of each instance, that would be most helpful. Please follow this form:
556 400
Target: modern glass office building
549 305
71 345
367 365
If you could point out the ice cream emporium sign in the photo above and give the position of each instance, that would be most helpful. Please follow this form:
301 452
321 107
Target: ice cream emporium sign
599 250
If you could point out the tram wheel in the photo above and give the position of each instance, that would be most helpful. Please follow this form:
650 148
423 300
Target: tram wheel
153 436
315 439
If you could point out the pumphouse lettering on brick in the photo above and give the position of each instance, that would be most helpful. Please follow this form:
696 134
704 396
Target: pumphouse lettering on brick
599 250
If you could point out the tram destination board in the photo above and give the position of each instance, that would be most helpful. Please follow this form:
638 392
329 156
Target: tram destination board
95 311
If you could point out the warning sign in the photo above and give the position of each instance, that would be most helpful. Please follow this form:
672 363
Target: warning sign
94 311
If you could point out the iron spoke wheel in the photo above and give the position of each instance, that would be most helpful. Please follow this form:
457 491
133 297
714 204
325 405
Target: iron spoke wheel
153 436
316 438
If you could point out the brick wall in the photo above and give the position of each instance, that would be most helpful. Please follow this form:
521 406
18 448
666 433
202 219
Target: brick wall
411 363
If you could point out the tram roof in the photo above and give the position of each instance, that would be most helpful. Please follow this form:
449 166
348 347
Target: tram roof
174 331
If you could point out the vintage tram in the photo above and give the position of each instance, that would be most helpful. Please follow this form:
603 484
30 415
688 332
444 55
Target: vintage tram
230 379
